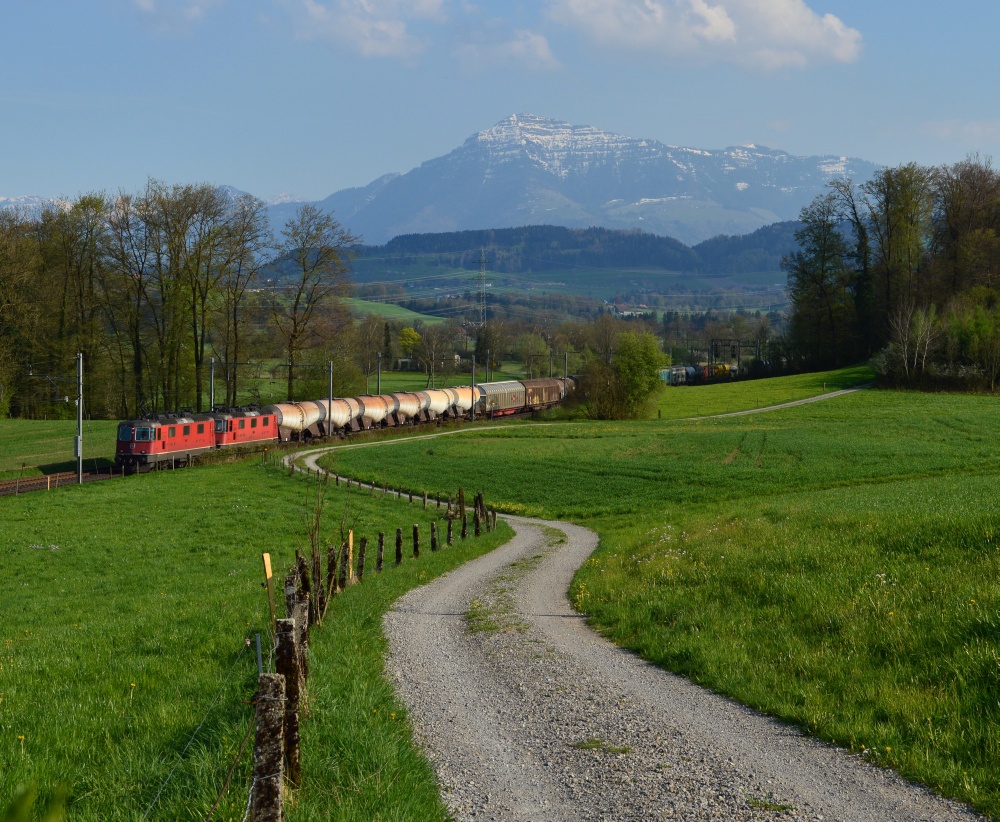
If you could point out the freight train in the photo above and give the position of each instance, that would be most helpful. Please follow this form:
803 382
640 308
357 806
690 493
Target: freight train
171 440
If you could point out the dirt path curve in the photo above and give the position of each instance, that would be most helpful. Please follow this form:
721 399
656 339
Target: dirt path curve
531 716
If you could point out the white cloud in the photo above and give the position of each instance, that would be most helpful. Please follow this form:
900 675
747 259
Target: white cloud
374 28
170 17
766 34
525 49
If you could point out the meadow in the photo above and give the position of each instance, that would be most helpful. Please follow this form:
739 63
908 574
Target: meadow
833 564
33 447
124 670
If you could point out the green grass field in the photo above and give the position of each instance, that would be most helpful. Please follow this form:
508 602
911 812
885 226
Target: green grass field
684 401
46 446
361 308
833 564
123 664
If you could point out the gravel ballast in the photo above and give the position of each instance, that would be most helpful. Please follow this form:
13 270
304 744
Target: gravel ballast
527 714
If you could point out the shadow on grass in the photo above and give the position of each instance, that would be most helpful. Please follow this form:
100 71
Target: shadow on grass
89 464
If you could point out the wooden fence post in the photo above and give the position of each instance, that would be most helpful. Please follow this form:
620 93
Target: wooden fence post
286 663
350 558
331 571
476 522
361 558
465 526
399 545
301 616
381 552
450 530
416 541
434 536
269 749
291 594
269 583
343 567
425 500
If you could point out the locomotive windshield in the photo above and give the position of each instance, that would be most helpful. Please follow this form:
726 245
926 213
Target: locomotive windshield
143 434
125 431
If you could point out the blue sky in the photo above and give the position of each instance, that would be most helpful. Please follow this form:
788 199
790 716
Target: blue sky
311 96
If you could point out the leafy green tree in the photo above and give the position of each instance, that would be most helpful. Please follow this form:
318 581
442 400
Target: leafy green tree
621 389
244 243
636 361
533 351
409 341
316 251
818 280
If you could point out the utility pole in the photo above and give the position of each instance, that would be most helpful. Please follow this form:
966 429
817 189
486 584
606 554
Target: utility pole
79 419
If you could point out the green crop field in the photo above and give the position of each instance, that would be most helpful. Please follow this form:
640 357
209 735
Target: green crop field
833 564
124 673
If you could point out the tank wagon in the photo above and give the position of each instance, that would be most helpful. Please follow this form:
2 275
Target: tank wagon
173 439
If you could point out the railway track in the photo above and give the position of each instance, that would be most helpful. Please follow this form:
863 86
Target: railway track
23 485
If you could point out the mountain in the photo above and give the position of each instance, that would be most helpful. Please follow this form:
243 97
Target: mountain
528 170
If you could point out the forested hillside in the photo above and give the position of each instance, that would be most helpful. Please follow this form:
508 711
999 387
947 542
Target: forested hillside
554 248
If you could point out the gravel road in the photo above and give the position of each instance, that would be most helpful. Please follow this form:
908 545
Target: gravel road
529 715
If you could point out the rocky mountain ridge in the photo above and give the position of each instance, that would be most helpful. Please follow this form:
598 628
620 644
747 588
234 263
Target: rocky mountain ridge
529 170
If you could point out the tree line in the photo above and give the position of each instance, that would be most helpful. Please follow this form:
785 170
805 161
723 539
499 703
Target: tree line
902 269
149 286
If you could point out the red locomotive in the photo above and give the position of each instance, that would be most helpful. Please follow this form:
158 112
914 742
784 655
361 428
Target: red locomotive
172 439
